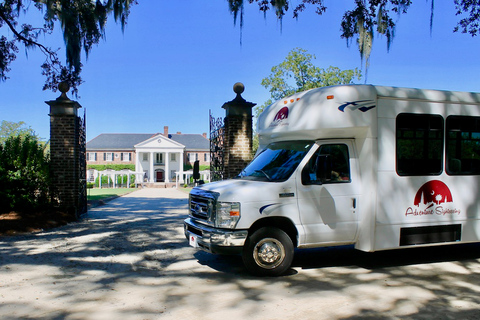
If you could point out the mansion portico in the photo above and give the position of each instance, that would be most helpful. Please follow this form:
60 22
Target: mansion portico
159 158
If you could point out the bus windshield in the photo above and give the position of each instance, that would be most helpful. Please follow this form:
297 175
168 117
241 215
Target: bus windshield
277 161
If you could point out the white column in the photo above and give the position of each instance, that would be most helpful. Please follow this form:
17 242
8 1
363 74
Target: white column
167 167
152 179
137 161
181 167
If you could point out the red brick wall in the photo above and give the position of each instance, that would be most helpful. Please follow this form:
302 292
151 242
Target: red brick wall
238 144
116 159
64 159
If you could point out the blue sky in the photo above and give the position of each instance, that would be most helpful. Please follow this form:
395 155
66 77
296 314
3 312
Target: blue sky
176 60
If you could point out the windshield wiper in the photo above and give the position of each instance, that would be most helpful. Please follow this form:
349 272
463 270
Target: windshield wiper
264 173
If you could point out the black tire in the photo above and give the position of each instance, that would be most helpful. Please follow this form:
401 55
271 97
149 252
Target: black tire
268 252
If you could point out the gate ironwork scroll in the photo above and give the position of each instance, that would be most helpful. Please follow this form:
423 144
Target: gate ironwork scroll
82 165
217 164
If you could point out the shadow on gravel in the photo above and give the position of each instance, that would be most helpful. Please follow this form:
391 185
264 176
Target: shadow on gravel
348 256
134 251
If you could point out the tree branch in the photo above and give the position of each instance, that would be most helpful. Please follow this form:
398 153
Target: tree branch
26 41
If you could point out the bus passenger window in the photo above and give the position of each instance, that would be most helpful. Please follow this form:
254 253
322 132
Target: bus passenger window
419 144
463 145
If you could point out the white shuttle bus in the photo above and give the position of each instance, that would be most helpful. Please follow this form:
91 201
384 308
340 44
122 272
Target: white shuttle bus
378 167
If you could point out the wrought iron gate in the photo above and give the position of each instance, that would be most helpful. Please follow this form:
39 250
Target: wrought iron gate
217 167
82 164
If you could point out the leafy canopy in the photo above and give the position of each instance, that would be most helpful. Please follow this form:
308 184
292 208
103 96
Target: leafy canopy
365 18
12 129
82 23
298 73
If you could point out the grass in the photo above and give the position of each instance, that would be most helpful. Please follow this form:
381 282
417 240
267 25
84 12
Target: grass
106 193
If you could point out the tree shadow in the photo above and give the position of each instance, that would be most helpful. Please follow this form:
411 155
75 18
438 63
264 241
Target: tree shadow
130 259
349 256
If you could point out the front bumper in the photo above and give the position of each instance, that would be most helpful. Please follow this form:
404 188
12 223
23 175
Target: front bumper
213 240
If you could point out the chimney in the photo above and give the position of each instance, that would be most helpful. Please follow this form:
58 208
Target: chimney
165 131
204 135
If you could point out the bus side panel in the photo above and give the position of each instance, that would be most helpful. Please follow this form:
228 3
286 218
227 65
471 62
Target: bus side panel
422 210
367 154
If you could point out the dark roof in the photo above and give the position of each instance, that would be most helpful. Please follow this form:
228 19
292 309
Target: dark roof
192 142
127 141
117 141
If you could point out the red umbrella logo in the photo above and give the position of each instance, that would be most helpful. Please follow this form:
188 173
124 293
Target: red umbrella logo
434 191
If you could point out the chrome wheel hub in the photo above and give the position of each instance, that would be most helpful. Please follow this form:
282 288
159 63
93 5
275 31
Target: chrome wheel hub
269 253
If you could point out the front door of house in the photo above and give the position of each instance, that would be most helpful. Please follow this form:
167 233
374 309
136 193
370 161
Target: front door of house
159 176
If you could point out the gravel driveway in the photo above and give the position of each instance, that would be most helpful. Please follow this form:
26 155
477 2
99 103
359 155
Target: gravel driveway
129 260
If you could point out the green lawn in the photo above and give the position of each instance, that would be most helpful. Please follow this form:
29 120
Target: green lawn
105 193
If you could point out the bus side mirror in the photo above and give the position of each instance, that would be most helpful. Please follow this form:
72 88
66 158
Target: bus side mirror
324 167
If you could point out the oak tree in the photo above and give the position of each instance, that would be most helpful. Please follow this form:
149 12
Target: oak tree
82 24
365 18
298 73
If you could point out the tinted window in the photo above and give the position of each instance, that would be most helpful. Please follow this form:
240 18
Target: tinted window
340 165
463 145
419 144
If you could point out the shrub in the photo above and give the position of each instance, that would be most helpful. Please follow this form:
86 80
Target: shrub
116 167
24 174
106 182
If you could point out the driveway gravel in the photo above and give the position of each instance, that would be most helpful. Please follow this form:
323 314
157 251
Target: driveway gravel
129 259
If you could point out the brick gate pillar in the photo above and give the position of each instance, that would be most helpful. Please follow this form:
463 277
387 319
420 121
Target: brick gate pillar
238 133
64 150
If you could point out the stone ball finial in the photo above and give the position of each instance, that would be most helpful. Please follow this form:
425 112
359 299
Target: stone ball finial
238 88
63 87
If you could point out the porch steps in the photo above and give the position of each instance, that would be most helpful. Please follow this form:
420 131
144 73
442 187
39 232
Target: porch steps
159 185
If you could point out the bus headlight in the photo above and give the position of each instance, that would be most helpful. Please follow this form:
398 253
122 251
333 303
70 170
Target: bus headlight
228 214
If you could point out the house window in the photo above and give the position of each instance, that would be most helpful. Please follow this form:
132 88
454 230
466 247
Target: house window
126 156
108 156
91 156
173 157
419 145
206 157
145 156
192 157
159 158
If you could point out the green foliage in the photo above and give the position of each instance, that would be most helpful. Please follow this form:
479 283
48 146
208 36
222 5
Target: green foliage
298 73
121 180
24 174
366 17
82 23
471 23
116 167
201 167
12 129
106 181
